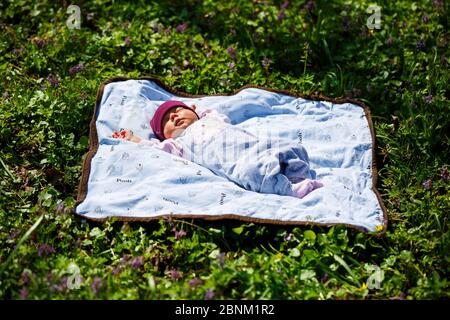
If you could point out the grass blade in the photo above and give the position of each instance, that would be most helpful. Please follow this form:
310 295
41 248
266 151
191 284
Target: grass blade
346 267
22 240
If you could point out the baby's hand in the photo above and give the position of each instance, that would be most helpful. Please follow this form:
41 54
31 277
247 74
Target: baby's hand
126 135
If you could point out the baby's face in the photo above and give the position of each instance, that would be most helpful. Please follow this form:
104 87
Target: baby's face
176 120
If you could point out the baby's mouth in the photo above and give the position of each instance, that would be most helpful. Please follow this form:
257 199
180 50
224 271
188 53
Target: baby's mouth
178 122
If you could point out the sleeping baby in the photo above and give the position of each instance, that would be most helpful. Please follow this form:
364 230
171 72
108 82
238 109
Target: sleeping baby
209 139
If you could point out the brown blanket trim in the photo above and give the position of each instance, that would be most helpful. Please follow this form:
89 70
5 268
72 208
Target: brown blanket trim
93 147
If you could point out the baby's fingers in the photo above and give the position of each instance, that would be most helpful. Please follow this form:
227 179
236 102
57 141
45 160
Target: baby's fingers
123 134
119 134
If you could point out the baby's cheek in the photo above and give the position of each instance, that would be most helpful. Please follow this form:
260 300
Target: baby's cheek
168 131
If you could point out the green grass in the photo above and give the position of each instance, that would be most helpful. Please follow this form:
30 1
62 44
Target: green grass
399 70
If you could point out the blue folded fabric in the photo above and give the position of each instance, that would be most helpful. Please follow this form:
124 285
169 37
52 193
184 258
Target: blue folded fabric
136 182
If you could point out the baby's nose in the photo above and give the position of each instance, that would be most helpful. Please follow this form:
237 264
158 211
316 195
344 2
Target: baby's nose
172 116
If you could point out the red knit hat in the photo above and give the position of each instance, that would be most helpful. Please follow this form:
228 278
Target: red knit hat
156 122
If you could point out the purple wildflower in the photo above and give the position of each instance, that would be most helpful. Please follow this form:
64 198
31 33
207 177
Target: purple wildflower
427 184
14 234
233 32
116 270
444 174
67 210
195 282
310 5
75 69
175 70
180 234
127 41
279 271
17 52
396 202
404 24
281 16
54 82
209 295
25 277
389 41
425 19
209 54
428 99
156 28
23 293
77 243
124 260
5 95
168 219
285 4
40 42
175 275
231 65
53 287
324 278
49 277
137 262
438 4
96 285
266 62
167 30
62 284
221 258
59 208
182 27
420 45
231 52
45 249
